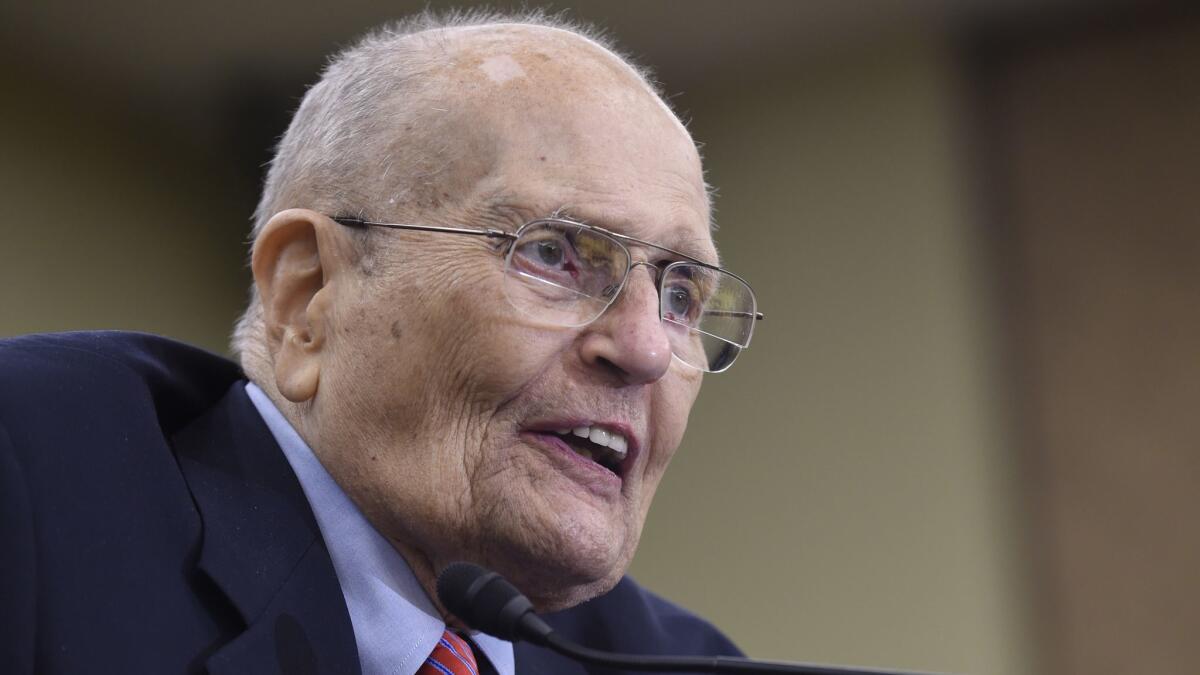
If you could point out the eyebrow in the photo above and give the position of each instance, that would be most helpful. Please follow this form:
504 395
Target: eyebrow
683 241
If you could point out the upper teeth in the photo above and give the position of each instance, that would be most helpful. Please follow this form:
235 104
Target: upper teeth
609 439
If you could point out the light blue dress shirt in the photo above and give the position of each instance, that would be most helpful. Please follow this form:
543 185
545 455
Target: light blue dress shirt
395 624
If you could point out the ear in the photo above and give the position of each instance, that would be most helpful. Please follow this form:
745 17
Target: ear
297 261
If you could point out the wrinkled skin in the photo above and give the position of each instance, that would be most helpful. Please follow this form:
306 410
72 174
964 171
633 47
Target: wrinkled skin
413 381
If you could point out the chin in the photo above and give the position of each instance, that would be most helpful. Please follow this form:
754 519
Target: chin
550 590
570 565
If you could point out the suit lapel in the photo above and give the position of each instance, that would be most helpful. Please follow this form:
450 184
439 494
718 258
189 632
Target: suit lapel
261 547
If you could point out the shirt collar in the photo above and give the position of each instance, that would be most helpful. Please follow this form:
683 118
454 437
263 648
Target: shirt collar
395 624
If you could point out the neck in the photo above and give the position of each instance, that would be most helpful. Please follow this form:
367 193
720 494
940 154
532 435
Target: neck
426 573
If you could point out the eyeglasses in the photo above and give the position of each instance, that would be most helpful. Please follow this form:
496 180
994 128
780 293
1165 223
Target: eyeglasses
562 273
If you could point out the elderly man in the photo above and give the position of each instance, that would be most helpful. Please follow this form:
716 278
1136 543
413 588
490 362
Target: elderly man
485 295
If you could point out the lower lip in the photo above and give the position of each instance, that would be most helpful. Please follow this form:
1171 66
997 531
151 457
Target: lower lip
581 469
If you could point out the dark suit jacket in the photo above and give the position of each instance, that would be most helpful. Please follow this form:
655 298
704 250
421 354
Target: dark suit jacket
149 523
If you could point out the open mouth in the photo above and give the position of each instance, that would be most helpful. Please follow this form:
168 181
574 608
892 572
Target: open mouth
602 446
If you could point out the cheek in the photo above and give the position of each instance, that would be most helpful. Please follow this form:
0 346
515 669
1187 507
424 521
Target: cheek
482 355
672 407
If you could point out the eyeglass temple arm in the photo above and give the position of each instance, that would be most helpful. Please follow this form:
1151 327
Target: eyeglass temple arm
490 232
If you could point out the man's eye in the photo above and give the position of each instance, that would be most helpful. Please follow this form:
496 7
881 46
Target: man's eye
549 253
679 303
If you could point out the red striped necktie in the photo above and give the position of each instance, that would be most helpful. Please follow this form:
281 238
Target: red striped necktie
451 656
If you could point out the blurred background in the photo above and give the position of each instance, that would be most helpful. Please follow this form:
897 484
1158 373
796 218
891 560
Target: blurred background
967 436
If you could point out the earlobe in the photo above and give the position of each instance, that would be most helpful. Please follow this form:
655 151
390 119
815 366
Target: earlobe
292 263
297 367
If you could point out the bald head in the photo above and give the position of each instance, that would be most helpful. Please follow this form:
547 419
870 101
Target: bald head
515 99
394 114
424 111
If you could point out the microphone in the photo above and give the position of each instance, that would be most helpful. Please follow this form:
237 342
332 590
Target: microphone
487 602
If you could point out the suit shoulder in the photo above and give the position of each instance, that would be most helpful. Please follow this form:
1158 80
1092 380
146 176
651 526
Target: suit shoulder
66 373
80 352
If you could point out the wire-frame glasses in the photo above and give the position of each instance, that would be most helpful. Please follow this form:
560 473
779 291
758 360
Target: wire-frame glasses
563 273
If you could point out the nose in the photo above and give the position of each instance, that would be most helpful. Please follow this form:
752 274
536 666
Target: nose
629 339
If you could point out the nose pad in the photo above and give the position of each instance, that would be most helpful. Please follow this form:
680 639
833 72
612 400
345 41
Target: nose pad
630 338
655 271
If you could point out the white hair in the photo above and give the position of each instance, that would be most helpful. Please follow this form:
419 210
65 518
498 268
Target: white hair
348 132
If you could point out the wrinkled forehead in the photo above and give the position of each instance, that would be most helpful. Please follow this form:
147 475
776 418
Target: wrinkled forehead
554 121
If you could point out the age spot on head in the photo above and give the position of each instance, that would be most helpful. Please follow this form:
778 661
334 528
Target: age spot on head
501 68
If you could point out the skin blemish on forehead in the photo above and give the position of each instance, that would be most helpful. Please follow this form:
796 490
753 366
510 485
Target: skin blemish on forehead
501 68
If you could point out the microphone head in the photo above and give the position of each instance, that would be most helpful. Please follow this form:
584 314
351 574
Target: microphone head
483 600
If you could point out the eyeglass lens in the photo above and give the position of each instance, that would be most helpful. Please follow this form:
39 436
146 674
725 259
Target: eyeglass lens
565 274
